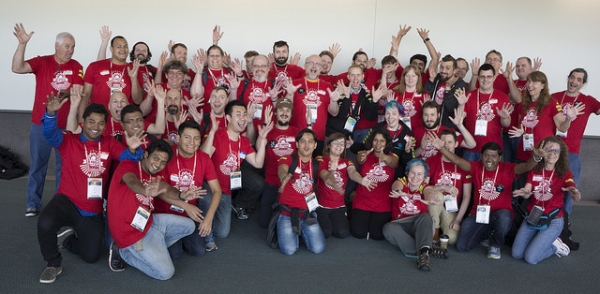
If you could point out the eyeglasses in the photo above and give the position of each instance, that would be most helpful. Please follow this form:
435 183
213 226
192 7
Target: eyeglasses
175 73
312 63
137 120
260 66
361 60
493 60
550 151
338 143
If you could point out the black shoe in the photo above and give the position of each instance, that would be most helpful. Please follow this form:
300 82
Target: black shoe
241 213
439 252
63 236
115 263
423 263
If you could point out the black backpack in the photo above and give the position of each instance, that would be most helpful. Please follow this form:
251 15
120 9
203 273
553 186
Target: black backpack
10 166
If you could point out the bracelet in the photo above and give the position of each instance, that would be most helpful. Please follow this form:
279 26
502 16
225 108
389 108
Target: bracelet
179 196
425 40
537 160
240 76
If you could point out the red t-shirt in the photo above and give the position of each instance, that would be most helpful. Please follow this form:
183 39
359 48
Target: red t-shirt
220 121
280 74
514 116
328 197
82 161
429 150
314 92
546 190
51 77
487 183
541 125
187 79
105 77
228 157
186 174
299 185
124 203
406 206
483 106
145 75
443 173
578 124
378 199
215 77
259 94
413 107
500 84
279 143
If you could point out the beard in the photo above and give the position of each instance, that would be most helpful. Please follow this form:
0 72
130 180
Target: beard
435 124
172 109
283 124
281 60
142 58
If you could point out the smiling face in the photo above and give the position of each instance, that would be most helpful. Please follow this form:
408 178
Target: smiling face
411 79
379 143
416 176
355 76
431 117
575 83
119 51
140 51
361 60
523 68
155 162
552 152
495 60
132 123
449 143
306 145
63 52
313 67
118 100
337 147
446 70
534 88
283 115
260 68
392 117
189 142
173 102
486 81
93 126
327 63
419 64
175 78
490 159
461 68
238 119
180 53
218 100
215 59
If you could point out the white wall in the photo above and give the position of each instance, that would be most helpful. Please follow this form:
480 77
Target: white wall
564 33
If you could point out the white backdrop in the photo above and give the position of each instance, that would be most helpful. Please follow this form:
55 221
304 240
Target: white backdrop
564 33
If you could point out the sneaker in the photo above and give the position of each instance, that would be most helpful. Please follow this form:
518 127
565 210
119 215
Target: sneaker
49 274
485 243
31 212
561 248
62 236
423 261
115 263
241 213
439 252
494 252
210 246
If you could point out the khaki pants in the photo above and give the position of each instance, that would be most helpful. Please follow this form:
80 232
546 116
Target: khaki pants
441 218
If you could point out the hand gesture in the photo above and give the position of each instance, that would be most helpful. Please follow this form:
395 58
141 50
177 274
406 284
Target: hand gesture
105 34
226 59
367 183
537 63
236 65
263 131
295 59
291 88
193 110
161 96
163 59
170 45
334 95
423 33
133 71
540 152
371 63
268 114
506 110
284 182
55 102
153 187
378 93
134 141
193 194
233 81
432 138
573 192
397 194
516 132
179 119
335 49
521 193
21 34
508 71
361 156
459 94
193 212
275 91
216 35
475 63
198 60
271 58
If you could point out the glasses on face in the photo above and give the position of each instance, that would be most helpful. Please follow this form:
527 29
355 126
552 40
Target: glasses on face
493 60
553 151
175 73
312 63
338 143
260 66
137 120
361 60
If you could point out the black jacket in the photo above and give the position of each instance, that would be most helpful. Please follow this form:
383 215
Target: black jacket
365 108
450 103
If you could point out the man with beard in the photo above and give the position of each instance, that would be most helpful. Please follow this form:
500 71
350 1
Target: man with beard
281 71
102 78
78 201
313 97
585 105
174 117
57 72
431 125
442 88
281 141
227 149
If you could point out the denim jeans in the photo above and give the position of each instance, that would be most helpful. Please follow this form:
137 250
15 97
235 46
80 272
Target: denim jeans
222 220
575 167
152 257
39 151
471 233
535 246
289 241
471 155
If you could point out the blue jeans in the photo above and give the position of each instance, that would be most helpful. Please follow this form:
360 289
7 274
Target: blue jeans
535 246
151 256
471 233
471 155
288 241
39 151
575 167
222 220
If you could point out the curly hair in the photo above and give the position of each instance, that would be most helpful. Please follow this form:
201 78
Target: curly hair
562 164
386 136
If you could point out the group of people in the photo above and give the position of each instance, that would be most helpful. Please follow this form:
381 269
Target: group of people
160 157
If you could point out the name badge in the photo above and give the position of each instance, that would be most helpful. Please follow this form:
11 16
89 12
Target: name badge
311 201
527 142
235 180
406 121
176 208
481 127
450 203
313 112
483 214
140 219
94 188
258 111
350 123
456 176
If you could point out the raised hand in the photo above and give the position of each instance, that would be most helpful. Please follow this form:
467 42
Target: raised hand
537 63
459 94
133 71
361 156
55 102
508 71
505 111
475 63
21 34
516 132
459 116
423 33
335 49
105 34
295 59
199 59
134 141
216 35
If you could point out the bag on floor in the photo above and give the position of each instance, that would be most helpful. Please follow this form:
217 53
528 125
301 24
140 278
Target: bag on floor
10 166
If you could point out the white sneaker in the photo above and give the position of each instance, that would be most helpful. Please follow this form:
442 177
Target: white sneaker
561 248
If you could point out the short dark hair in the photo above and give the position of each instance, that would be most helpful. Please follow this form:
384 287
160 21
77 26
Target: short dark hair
132 52
431 104
178 45
161 146
449 57
112 41
95 108
580 70
389 59
419 57
175 64
305 131
189 124
231 104
486 66
466 62
215 47
492 146
325 52
359 53
130 108
250 53
449 132
280 43
386 135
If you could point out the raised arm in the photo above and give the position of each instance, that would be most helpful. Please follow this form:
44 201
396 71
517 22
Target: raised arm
430 48
105 34
19 65
439 145
397 39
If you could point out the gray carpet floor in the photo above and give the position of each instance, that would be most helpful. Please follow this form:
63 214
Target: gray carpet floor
245 264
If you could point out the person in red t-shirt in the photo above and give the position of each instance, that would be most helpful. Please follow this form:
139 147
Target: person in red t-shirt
452 188
491 211
179 52
371 209
494 58
332 213
132 220
411 95
411 225
57 73
281 72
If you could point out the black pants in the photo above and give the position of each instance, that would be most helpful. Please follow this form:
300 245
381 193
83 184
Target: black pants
60 212
363 222
252 186
333 222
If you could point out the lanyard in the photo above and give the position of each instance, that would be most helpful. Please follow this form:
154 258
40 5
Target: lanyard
122 71
493 183
563 98
479 104
238 160
543 191
214 78
179 168
444 170
396 132
304 169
